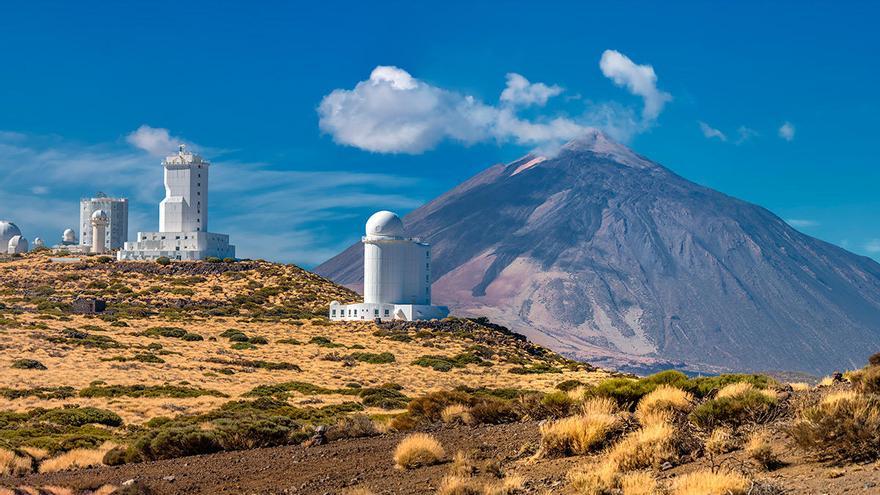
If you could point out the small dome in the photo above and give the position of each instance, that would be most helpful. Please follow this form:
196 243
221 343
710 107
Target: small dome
17 244
68 236
100 215
8 230
38 242
385 224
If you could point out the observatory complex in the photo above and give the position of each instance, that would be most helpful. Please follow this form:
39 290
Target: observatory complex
183 216
11 240
397 276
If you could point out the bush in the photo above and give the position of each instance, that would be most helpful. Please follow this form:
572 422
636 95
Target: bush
116 456
372 358
867 380
213 259
664 399
384 398
579 435
354 426
417 450
650 446
567 385
168 443
733 411
874 360
709 483
170 332
842 427
192 337
258 340
493 411
79 416
163 260
28 364
147 391
760 449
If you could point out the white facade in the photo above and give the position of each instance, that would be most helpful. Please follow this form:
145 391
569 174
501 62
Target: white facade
183 216
8 230
17 245
100 221
397 276
116 209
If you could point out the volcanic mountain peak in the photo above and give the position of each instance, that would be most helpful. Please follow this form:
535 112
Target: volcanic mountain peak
598 143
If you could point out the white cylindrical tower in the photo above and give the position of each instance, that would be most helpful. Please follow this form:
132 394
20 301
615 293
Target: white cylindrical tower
395 266
100 220
68 237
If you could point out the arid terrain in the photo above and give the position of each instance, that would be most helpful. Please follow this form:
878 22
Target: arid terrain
227 378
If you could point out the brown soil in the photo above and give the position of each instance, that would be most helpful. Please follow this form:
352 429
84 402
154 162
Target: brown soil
339 466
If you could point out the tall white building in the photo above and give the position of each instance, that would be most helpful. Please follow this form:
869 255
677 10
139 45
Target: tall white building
397 276
183 216
116 232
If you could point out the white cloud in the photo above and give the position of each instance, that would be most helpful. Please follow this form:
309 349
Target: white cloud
873 246
520 91
40 190
154 140
640 80
786 131
801 223
710 132
394 112
745 133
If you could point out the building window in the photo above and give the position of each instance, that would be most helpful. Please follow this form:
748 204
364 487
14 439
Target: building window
387 312
332 312
375 312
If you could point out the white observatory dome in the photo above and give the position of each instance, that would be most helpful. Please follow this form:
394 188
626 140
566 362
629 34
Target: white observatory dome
17 244
385 224
8 230
38 243
69 236
100 216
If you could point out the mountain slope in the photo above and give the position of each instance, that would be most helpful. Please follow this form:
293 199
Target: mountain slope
601 252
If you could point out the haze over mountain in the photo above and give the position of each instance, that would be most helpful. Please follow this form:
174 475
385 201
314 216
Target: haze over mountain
605 255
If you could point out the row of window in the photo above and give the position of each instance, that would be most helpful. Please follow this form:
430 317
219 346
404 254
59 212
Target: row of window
353 312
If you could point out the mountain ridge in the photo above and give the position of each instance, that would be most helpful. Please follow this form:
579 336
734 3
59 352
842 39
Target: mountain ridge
601 252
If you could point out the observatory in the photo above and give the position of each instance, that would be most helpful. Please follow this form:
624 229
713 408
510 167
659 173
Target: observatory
8 230
116 231
397 276
183 216
68 237
100 221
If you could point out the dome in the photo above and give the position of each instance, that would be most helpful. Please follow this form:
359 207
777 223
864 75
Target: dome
100 215
8 230
17 244
385 224
68 236
38 242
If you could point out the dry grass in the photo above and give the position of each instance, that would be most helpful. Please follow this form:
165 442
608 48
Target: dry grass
13 464
800 386
638 483
843 427
458 485
593 478
580 434
456 413
358 491
720 441
35 453
826 381
55 490
709 483
419 449
664 399
650 446
509 485
759 448
462 465
76 458
734 389
105 490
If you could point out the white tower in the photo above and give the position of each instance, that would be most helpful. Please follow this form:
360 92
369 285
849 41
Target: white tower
396 267
100 220
185 207
397 276
117 213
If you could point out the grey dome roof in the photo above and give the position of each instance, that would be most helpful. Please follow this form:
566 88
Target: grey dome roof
8 230
385 224
100 215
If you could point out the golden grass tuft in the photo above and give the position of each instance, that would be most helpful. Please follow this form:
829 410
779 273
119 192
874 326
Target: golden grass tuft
664 399
456 413
826 381
650 446
638 483
593 478
709 483
76 458
580 434
462 465
35 453
55 490
599 406
458 485
418 449
799 386
358 491
734 389
843 427
509 485
12 464
760 449
109 489
720 441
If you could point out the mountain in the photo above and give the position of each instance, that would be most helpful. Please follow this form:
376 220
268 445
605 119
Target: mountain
600 253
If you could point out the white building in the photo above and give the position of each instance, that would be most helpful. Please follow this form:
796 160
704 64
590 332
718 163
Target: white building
183 216
68 237
11 240
116 232
17 245
100 222
397 276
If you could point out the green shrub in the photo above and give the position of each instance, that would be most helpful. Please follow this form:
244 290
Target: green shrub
170 332
289 341
79 416
259 340
446 363
163 260
147 391
384 398
372 358
734 411
493 411
169 443
213 259
43 393
567 385
253 363
242 346
238 337
281 390
843 430
323 342
28 364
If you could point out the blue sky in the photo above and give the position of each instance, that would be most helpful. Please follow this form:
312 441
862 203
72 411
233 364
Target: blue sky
294 180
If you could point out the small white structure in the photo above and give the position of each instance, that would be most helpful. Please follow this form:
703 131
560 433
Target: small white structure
116 210
38 243
183 216
68 237
397 276
17 245
100 221
8 230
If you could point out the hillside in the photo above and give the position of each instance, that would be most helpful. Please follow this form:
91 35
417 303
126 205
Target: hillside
604 255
